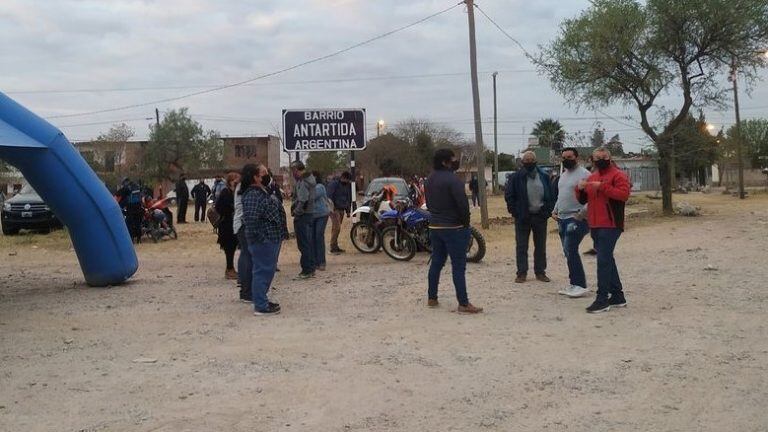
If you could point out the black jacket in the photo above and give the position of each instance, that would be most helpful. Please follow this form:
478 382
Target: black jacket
446 200
340 194
516 194
182 191
201 192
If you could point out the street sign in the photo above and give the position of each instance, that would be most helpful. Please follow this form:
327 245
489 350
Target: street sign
325 129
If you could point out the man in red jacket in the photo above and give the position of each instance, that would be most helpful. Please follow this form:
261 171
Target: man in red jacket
606 191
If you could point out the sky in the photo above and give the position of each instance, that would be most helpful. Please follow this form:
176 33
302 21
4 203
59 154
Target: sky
67 57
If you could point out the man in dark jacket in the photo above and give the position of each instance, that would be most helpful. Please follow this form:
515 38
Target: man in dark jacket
474 189
448 228
182 198
302 210
340 193
530 201
200 193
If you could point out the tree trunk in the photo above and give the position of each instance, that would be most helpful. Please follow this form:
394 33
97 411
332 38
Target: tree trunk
665 177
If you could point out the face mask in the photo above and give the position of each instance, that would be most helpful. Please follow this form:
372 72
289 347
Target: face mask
266 180
602 163
454 165
530 166
569 163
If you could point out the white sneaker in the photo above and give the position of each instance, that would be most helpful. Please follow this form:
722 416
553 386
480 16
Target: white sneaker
566 290
576 291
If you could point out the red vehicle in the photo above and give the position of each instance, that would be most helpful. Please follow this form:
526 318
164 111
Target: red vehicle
158 220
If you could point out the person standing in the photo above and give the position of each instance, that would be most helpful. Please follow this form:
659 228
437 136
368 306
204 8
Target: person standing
182 198
473 189
530 201
200 193
606 192
225 207
302 210
448 228
218 186
264 230
340 194
319 222
570 216
244 267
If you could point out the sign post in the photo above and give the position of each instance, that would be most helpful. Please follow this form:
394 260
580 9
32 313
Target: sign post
326 129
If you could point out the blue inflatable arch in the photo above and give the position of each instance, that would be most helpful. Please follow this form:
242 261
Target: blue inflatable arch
72 190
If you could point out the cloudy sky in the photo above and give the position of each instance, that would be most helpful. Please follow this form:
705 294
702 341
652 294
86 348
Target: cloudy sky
65 57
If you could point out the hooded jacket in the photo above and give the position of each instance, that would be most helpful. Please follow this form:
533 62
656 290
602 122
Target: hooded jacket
304 195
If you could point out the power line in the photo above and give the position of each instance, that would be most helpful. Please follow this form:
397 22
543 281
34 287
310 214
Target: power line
527 54
267 75
211 86
105 122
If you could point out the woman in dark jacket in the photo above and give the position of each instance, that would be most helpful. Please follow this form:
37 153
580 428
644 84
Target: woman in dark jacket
225 207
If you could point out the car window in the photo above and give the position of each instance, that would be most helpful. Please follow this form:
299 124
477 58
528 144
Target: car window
377 184
27 189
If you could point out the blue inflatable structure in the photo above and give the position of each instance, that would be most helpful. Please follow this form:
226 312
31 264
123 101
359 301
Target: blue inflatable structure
73 192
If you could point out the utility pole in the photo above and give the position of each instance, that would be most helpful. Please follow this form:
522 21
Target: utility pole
739 145
495 180
478 121
157 117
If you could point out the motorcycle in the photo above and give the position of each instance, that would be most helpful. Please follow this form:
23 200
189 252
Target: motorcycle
158 221
367 223
406 229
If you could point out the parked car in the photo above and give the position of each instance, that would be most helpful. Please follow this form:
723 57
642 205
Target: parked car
376 184
26 210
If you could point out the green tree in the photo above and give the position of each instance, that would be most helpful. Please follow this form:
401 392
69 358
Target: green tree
507 162
695 149
326 162
550 133
598 138
178 144
754 137
615 145
118 133
628 52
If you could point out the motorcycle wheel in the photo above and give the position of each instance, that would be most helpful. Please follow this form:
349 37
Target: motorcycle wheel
172 233
476 248
398 244
365 238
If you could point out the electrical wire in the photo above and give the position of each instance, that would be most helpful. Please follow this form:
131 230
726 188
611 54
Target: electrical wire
266 75
527 54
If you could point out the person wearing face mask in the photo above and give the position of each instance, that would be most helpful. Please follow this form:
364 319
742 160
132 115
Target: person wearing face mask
448 228
570 216
606 190
530 201
340 194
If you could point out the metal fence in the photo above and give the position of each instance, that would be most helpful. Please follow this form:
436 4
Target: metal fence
644 178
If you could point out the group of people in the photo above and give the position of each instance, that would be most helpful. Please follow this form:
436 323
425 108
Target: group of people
201 193
579 201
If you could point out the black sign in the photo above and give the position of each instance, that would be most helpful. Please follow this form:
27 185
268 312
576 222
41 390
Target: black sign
324 130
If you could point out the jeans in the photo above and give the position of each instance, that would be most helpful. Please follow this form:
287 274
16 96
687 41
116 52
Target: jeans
537 224
453 243
608 282
200 207
264 264
244 266
318 239
304 240
572 231
337 216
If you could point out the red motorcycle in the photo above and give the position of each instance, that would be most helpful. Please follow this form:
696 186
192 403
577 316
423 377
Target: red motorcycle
158 220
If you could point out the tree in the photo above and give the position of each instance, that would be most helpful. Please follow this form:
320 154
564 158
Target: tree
754 137
695 149
179 144
627 52
326 162
550 133
507 162
615 145
598 137
382 155
118 133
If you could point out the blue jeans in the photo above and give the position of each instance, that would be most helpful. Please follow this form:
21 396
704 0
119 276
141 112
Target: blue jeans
318 239
572 231
536 224
244 266
608 281
453 243
304 234
264 264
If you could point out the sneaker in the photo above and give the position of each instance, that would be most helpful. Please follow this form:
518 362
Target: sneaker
520 278
576 291
469 309
543 277
270 310
246 300
599 306
433 303
305 275
591 252
337 250
618 300
275 305
565 290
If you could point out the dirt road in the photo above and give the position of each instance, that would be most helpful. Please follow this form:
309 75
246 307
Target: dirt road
357 350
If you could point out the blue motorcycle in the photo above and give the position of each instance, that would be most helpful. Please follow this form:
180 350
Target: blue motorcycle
407 231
